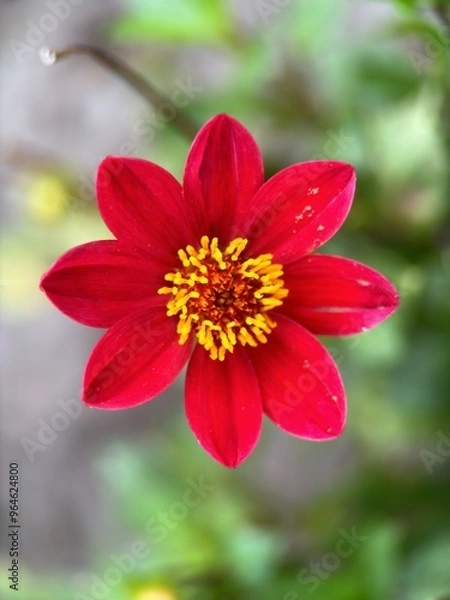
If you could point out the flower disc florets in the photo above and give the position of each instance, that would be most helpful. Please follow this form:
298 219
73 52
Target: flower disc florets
224 297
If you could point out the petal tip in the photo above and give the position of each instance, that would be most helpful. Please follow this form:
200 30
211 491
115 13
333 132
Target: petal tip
230 462
331 433
109 167
42 282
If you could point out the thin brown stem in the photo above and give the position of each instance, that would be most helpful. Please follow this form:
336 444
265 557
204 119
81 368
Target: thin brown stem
142 86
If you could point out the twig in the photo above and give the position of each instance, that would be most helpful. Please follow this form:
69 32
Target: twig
49 57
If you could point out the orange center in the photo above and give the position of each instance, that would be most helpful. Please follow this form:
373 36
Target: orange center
222 297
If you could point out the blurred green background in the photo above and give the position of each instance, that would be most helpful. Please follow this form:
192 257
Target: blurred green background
127 506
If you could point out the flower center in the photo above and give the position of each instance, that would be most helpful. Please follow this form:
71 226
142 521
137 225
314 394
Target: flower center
222 297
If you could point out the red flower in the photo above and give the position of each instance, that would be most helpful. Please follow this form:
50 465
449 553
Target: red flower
218 272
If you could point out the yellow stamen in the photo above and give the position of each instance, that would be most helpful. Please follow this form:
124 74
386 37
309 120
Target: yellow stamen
223 298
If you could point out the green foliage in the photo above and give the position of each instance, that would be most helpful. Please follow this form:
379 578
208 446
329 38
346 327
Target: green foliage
426 573
385 78
194 22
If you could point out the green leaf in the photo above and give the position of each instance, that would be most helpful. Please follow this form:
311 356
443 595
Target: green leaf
385 78
252 553
408 3
197 21
427 576
432 54
379 560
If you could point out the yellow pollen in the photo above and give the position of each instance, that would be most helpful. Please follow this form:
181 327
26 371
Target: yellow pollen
223 298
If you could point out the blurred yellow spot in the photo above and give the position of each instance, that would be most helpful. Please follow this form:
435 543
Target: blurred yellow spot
156 593
46 199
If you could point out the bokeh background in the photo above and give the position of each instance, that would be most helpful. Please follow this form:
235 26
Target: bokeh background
126 506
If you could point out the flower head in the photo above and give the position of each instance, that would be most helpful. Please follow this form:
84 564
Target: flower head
218 273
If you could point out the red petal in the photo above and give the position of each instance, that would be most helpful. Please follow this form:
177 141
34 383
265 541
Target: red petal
142 205
223 405
101 282
300 384
134 361
298 209
223 171
331 295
